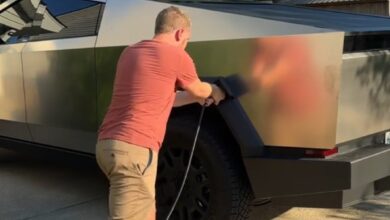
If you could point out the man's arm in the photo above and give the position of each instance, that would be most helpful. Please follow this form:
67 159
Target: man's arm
199 89
189 81
199 92
184 98
195 92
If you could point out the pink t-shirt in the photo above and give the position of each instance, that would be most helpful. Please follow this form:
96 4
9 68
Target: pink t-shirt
147 76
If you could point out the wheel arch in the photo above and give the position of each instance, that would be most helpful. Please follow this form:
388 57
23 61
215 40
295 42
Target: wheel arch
231 121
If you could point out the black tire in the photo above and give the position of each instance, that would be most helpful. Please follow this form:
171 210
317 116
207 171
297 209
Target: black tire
217 187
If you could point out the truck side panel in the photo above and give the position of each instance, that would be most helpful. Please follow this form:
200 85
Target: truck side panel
13 109
364 102
60 80
294 81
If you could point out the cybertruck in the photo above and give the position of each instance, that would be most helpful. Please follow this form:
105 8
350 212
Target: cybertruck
312 129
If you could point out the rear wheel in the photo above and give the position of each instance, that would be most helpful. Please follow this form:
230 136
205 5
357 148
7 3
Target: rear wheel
217 186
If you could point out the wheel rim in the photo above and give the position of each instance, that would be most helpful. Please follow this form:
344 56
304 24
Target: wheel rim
194 202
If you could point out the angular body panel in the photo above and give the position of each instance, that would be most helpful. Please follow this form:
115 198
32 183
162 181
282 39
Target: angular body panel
60 85
13 109
207 25
106 60
364 95
294 83
11 83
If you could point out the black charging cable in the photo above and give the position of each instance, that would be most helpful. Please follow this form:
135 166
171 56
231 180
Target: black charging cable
189 161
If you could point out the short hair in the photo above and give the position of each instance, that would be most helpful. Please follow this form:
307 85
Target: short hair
170 19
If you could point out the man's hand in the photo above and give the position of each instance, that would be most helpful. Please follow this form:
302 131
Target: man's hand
217 94
206 102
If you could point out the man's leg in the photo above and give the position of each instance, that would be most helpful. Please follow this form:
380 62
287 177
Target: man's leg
132 172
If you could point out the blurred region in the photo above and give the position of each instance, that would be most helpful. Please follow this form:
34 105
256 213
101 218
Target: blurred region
282 65
294 83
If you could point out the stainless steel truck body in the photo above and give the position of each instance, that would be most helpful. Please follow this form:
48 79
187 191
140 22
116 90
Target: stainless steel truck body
311 131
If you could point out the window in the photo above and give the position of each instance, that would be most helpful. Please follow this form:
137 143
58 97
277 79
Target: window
32 20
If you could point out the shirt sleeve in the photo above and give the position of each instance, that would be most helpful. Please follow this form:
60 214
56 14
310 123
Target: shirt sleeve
187 71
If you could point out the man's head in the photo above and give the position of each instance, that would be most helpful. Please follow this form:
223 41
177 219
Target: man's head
173 26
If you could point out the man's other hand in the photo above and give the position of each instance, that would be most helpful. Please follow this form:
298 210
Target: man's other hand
217 94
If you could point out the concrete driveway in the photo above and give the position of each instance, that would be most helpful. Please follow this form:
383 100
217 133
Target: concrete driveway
46 188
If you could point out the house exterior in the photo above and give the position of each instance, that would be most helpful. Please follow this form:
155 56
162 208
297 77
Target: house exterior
376 7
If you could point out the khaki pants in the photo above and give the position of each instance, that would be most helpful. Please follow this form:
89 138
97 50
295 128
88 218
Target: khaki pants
131 171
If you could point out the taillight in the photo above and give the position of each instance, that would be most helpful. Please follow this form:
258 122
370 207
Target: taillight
321 153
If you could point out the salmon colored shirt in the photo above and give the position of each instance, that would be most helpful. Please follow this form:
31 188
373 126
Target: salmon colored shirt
147 76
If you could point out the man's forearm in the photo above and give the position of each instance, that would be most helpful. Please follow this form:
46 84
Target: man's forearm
183 98
199 89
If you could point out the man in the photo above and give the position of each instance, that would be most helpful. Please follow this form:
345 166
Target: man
133 129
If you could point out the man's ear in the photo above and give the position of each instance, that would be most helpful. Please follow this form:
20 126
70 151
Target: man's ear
179 34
